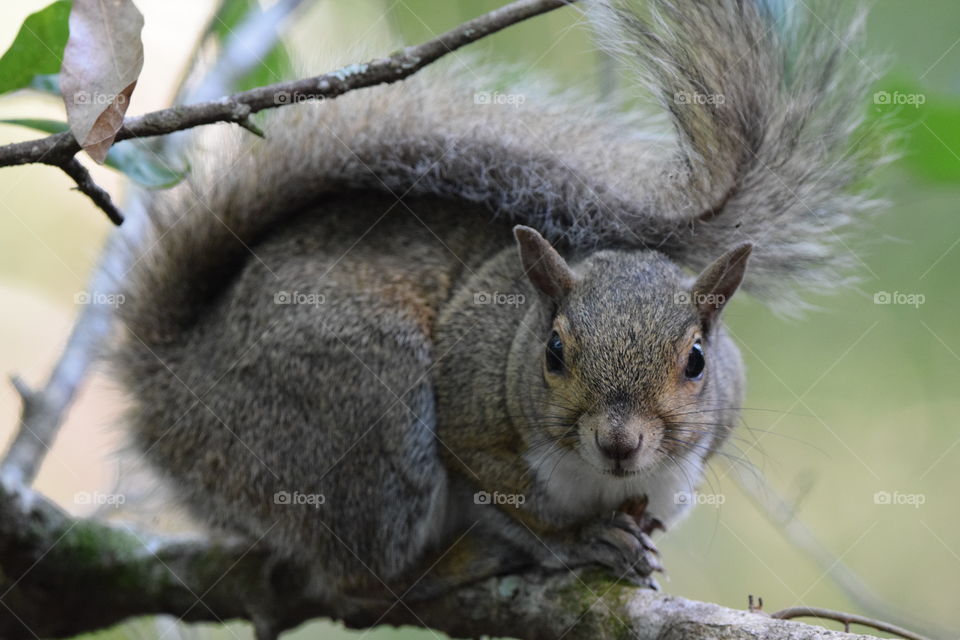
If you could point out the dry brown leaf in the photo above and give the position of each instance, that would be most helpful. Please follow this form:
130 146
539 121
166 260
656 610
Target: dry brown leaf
101 64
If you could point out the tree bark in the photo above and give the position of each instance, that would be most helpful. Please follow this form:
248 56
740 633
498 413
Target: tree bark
61 576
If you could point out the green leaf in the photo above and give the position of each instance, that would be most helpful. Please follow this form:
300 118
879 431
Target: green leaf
143 165
46 83
927 125
229 15
934 144
274 67
38 47
133 158
47 126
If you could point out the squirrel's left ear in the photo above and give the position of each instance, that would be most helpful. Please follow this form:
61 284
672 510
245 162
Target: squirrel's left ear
717 283
546 268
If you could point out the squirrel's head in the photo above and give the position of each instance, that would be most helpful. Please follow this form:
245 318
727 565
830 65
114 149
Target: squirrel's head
631 367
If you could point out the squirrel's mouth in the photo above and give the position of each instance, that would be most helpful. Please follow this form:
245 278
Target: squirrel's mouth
619 472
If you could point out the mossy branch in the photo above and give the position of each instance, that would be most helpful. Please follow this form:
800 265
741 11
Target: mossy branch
61 576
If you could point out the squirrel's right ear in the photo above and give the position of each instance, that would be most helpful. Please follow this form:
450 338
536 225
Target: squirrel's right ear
718 282
546 268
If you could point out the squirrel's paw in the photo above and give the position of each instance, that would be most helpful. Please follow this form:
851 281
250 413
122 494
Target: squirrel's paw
620 543
637 508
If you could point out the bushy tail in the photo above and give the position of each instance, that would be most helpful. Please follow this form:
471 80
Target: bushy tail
766 98
764 107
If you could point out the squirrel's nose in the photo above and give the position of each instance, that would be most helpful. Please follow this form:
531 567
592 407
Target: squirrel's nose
618 446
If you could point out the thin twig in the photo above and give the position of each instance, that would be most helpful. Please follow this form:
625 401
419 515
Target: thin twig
85 184
846 619
43 410
59 148
782 514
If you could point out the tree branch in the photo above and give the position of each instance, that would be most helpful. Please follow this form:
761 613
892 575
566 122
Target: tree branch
85 184
43 410
63 576
59 148
846 618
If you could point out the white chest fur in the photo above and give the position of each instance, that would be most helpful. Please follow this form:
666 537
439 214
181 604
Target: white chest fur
570 487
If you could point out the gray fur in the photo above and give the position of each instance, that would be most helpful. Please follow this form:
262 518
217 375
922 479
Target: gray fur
397 395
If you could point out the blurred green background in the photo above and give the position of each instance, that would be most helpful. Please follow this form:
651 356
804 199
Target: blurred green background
852 400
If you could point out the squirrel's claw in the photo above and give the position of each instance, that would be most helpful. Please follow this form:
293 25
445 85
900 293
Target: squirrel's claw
648 544
620 544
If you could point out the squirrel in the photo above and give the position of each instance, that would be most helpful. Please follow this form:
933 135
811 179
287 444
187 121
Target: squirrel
414 337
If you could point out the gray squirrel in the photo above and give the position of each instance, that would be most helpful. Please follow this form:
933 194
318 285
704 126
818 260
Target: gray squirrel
413 337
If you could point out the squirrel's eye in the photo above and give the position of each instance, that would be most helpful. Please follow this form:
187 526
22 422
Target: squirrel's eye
554 353
695 362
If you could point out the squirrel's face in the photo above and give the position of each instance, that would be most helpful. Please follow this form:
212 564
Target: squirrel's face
630 366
